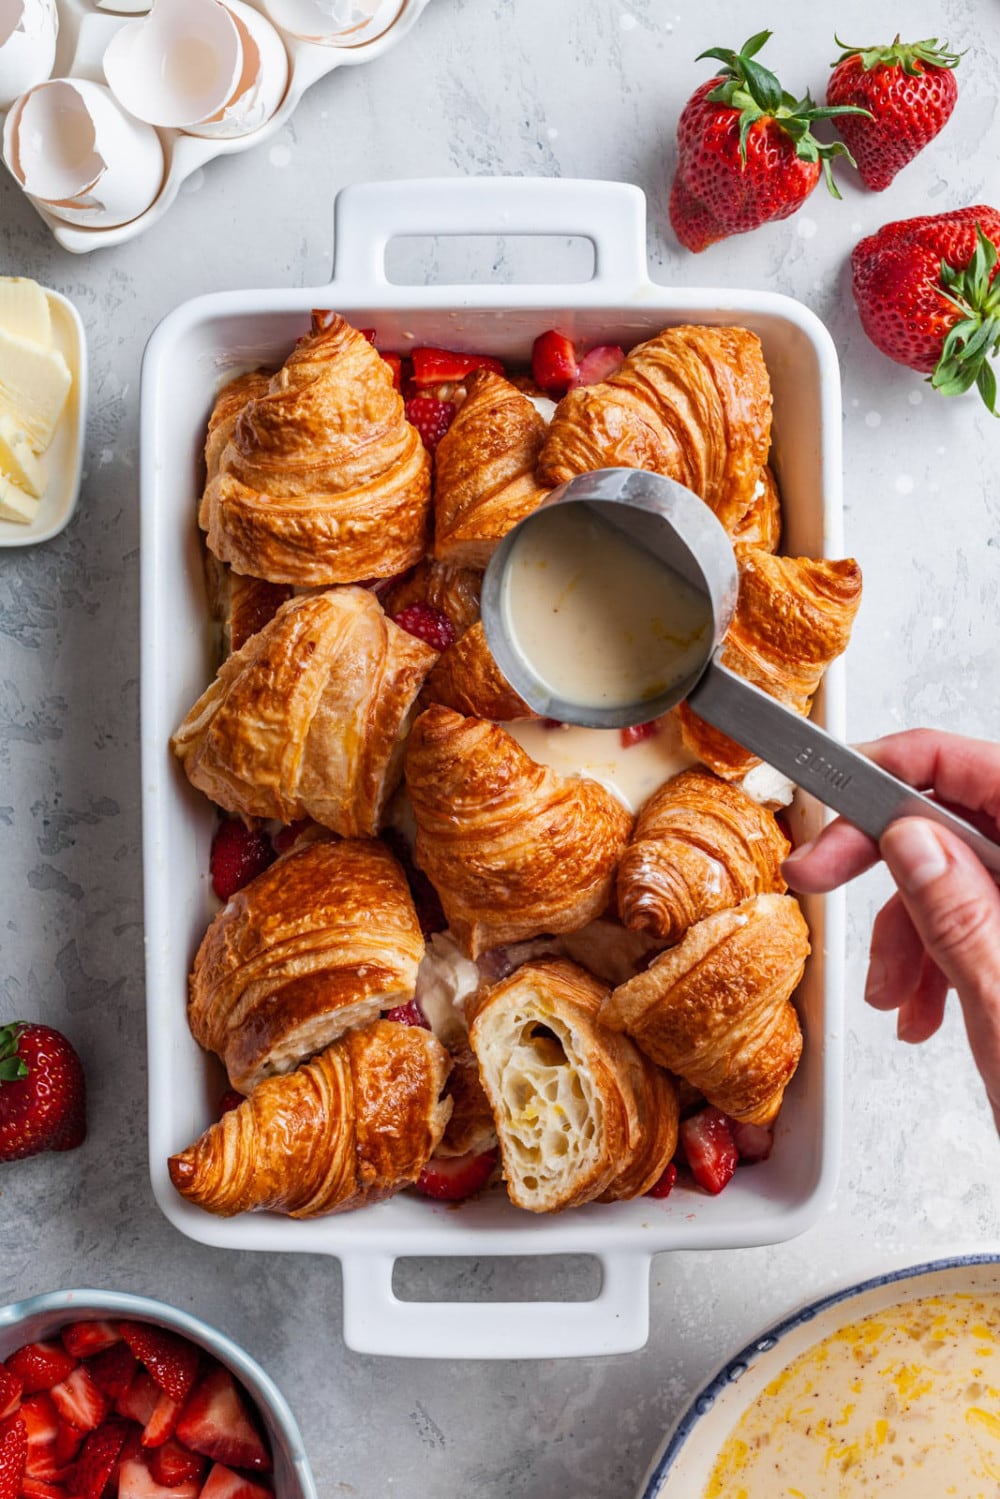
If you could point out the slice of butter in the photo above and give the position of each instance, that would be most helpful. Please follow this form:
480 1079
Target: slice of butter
17 462
24 310
34 384
15 504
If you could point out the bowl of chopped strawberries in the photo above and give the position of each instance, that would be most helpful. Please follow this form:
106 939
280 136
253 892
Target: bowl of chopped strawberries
106 1395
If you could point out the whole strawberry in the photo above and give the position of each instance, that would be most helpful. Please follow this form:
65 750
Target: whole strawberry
929 297
746 151
42 1092
908 89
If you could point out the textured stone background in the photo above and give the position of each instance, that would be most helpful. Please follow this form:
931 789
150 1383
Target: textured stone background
578 89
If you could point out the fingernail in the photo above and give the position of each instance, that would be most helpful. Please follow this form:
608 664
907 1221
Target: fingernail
876 980
798 854
913 854
907 1031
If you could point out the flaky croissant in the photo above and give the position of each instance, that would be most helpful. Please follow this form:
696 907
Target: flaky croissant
693 403
467 678
761 526
225 413
484 470
322 480
580 1113
321 941
512 848
241 604
700 845
453 590
793 617
350 1128
309 717
716 1010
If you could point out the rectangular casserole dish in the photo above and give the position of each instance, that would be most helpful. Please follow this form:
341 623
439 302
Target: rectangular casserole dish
190 355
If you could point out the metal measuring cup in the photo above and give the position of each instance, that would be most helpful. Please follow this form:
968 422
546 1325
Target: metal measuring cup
662 517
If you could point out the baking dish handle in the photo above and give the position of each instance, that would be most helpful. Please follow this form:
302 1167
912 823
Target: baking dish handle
377 1321
612 215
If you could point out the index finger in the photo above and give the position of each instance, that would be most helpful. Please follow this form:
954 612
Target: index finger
963 771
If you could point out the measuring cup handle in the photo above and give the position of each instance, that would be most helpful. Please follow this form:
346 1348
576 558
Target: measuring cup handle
840 777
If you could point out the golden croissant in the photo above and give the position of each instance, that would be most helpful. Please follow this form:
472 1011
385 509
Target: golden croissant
309 718
241 604
580 1113
761 526
716 1008
350 1128
467 678
700 845
793 617
513 849
484 470
322 480
225 413
321 941
453 590
693 403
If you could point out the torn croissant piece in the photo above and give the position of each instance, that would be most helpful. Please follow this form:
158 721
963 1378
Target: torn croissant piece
322 480
453 590
580 1113
323 940
761 526
350 1128
716 1008
513 849
484 470
309 718
793 617
467 678
700 845
693 403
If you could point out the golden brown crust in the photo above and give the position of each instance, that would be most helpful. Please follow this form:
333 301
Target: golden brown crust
322 940
513 849
350 1128
322 480
716 1011
453 590
484 470
761 526
228 404
467 678
693 403
793 617
309 717
700 845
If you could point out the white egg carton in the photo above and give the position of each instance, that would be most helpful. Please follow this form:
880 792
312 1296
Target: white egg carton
84 35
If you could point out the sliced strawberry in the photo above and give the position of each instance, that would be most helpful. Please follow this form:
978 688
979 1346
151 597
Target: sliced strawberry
665 1184
223 1483
69 1440
84 1338
138 1402
162 1423
753 1141
431 418
98 1460
395 363
598 364
40 1365
434 366
368 333
41 1421
230 1100
41 1488
285 837
453 1178
238 855
408 1014
553 363
428 623
13 1456
113 1369
637 732
170 1359
11 1390
79 1401
172 1464
136 1481
216 1421
709 1148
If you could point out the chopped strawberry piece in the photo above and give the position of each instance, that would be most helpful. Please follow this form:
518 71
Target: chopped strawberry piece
635 733
41 1488
138 1402
41 1421
553 723
223 1483
98 1460
170 1359
238 855
753 1141
368 333
287 836
435 366
428 623
79 1401
162 1423
395 363
136 1481
172 1464
709 1148
217 1422
431 418
13 1456
665 1184
84 1338
408 1014
11 1390
40 1365
453 1178
69 1440
113 1369
230 1100
598 364
553 363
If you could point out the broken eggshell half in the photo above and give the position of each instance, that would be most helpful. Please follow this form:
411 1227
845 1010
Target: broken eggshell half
28 30
73 149
207 68
335 23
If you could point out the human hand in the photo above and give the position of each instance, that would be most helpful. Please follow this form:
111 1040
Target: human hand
942 927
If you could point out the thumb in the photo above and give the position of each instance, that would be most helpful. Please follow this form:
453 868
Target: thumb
955 907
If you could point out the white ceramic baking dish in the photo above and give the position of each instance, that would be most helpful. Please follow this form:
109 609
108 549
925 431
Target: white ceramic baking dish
189 356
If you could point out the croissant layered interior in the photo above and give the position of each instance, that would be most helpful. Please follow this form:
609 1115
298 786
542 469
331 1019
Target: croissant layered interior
619 971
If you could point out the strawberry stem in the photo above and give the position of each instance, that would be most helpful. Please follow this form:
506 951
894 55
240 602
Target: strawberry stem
906 55
747 86
974 338
12 1066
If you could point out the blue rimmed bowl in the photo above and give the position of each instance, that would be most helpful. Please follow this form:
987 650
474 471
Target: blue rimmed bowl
682 1467
41 1317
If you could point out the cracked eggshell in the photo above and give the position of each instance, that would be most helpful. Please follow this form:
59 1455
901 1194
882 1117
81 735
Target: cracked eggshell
74 150
28 30
199 66
335 23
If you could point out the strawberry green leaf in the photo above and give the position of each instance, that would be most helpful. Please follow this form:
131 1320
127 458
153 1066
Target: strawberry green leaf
974 338
904 55
12 1066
